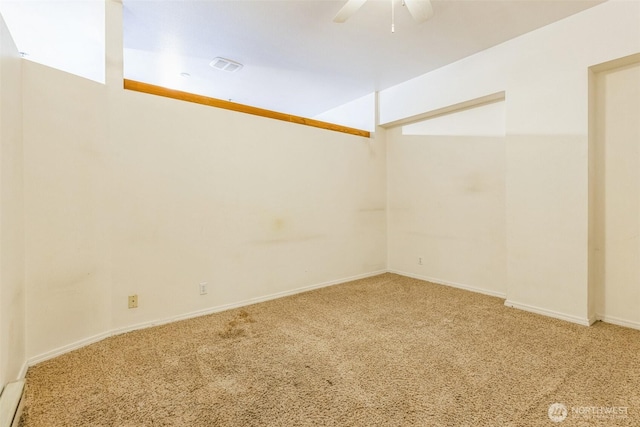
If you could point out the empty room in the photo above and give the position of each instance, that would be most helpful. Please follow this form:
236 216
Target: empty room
319 212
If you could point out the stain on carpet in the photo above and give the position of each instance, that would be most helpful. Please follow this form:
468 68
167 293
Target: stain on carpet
237 327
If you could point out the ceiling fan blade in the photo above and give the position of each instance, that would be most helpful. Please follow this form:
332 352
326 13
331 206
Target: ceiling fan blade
348 10
421 10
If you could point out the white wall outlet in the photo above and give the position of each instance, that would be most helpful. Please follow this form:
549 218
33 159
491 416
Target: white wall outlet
419 260
133 301
204 288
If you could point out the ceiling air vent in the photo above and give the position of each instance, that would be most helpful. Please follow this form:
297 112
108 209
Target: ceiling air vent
224 64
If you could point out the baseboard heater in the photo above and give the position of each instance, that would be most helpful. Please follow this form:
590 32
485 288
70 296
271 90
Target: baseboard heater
11 404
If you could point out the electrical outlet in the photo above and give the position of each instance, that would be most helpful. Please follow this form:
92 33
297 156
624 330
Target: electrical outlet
420 260
133 301
203 288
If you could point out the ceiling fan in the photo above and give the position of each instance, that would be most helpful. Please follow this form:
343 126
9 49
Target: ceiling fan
420 10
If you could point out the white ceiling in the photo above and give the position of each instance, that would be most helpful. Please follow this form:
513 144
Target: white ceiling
297 60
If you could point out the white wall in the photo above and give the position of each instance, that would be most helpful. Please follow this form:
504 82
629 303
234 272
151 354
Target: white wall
359 113
447 209
128 193
63 34
482 120
12 298
545 76
67 265
251 205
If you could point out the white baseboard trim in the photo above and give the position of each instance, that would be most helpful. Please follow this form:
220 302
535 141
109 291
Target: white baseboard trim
549 313
452 284
244 303
11 404
23 371
618 321
99 337
276 295
67 348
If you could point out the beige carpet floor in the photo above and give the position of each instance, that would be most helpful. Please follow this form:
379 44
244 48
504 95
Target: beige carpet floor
383 351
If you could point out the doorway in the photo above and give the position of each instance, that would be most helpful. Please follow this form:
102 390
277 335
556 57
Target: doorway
615 192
